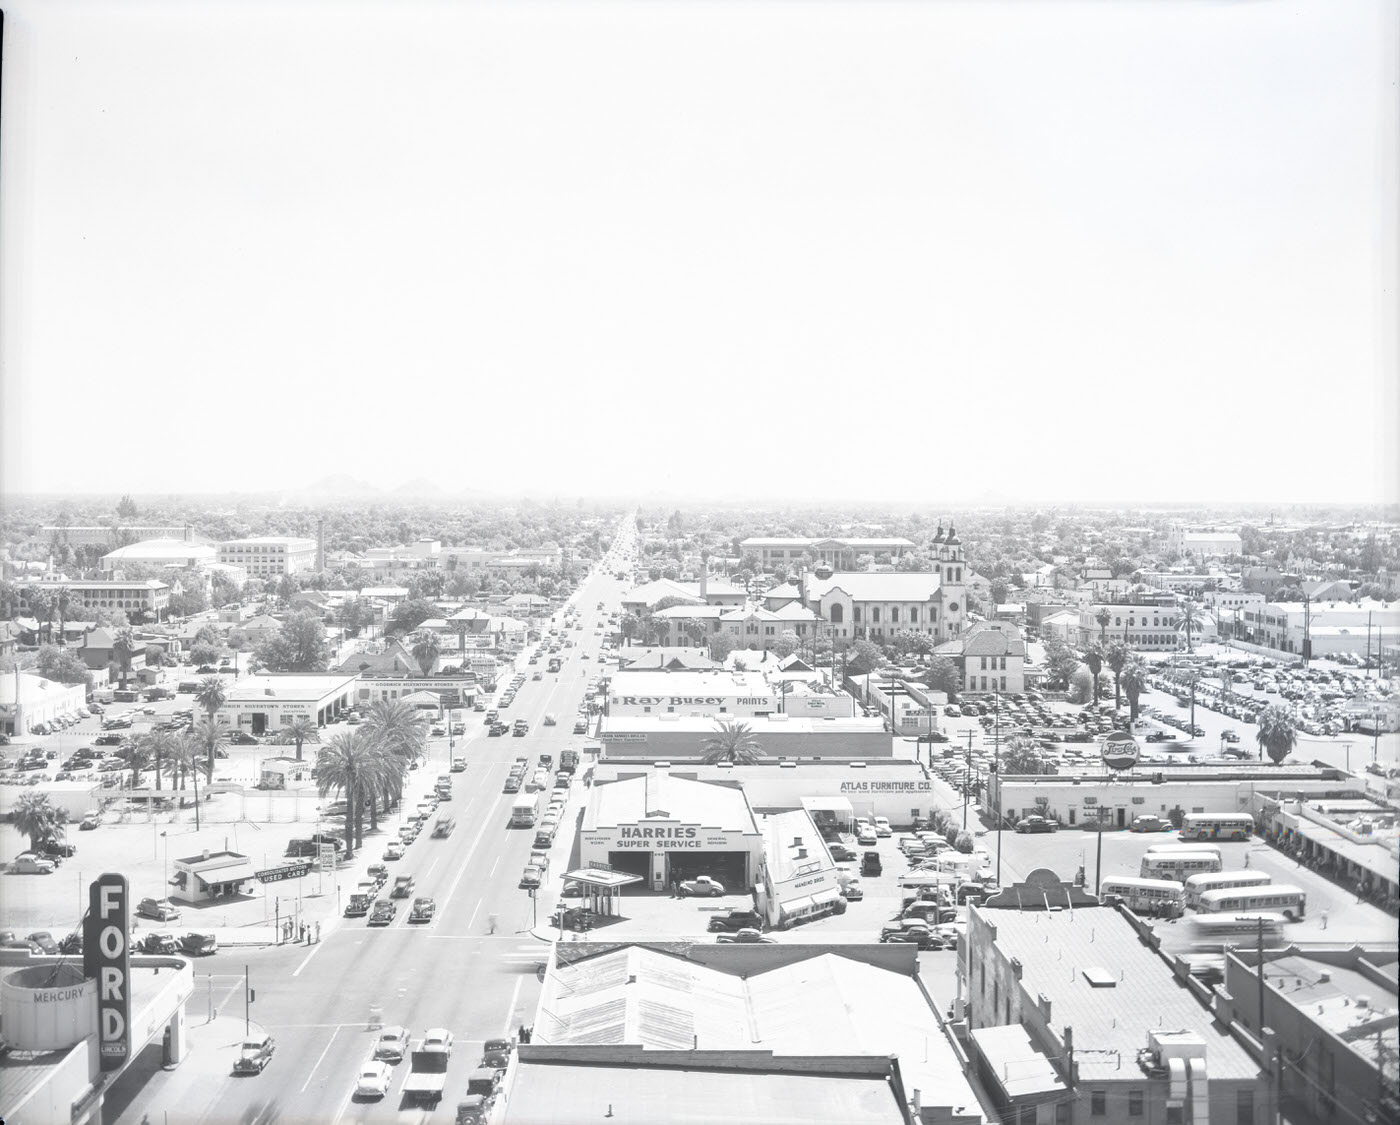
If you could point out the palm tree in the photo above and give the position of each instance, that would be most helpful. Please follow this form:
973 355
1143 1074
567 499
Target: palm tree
211 736
160 745
425 650
124 647
299 730
41 605
1227 682
396 731
62 599
344 765
734 743
187 759
1103 617
1277 734
1116 657
1093 660
1191 618
138 758
211 695
35 816
695 630
1134 682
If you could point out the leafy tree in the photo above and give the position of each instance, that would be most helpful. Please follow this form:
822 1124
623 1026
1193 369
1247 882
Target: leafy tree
35 816
61 666
1001 592
410 614
201 653
721 645
299 646
1060 662
1116 656
1278 734
629 626
300 730
425 650
1081 687
910 640
126 508
354 614
787 643
735 742
869 654
942 675
695 629
673 600
124 647
1191 618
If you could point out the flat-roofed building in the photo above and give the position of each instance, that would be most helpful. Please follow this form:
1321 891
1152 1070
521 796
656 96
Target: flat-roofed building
682 738
149 595
799 876
792 1033
107 536
265 704
727 694
1204 544
269 556
836 552
1328 628
1073 1015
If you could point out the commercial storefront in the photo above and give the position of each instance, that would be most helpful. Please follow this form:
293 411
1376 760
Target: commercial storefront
27 700
450 691
683 737
668 829
262 705
715 693
799 877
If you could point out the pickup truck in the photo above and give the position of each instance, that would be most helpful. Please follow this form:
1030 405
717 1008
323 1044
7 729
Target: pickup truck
427 1071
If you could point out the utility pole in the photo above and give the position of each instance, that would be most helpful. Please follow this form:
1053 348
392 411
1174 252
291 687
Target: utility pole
967 781
1099 810
247 999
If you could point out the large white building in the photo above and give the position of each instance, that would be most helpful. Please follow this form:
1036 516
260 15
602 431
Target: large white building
161 552
1329 627
149 595
269 556
837 553
105 536
1143 627
260 705
1204 544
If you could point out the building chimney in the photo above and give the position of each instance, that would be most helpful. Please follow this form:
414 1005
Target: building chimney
206 853
801 853
704 579
797 841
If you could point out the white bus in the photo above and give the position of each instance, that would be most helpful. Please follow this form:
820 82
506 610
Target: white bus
1197 885
1217 826
1213 933
1276 898
1159 897
1178 865
1169 849
524 810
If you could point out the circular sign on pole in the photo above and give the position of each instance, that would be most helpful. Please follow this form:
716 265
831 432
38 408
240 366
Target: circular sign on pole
1120 751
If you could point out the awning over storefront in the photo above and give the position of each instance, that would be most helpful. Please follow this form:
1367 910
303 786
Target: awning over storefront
233 873
1021 1070
807 905
600 878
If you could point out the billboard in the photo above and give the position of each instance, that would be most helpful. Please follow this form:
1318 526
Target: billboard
107 957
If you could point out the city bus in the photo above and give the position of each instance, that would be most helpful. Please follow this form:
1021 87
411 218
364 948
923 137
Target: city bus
1169 849
1158 897
1214 933
1276 898
1217 826
1178 865
1197 885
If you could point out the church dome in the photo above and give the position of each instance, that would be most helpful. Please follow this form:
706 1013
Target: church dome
953 540
938 537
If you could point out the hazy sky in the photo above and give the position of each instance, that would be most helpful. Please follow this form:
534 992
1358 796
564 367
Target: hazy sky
1112 251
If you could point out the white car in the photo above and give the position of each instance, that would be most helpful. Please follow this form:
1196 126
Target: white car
393 850
392 1044
373 1080
437 1041
882 826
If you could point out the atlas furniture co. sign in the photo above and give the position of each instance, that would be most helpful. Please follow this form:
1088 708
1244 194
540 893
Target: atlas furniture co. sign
107 957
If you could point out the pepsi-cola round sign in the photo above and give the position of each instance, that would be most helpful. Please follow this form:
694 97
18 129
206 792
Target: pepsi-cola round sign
1120 751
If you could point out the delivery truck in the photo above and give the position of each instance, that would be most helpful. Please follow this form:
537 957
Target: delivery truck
524 809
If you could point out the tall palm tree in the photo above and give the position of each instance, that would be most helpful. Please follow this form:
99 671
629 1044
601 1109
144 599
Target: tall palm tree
41 605
35 816
734 742
160 745
138 759
211 694
1277 734
1103 617
344 765
425 650
187 760
124 647
1134 682
1093 660
1191 618
695 630
299 730
1116 657
211 736
397 732
62 599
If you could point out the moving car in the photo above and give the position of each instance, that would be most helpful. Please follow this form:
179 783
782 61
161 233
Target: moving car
745 937
701 885
735 921
393 850
530 877
382 912
158 909
255 1055
423 909
391 1044
1036 824
853 891
870 864
373 1079
581 726
199 945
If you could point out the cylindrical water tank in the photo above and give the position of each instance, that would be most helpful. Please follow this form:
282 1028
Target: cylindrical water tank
48 1007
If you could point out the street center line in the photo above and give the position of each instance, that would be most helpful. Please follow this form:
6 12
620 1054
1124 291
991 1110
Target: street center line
510 1012
474 913
320 1060
315 949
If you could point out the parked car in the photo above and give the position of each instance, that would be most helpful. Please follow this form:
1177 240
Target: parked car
1150 823
242 738
841 854
393 850
44 940
158 909
853 891
199 945
701 885
1036 824
745 937
255 1055
158 943
27 863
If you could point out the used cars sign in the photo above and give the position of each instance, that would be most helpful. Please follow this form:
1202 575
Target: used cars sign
107 957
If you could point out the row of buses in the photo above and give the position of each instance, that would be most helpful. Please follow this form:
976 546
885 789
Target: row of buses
1231 906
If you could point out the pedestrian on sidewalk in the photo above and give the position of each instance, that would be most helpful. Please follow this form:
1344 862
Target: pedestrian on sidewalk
1324 919
301 933
318 933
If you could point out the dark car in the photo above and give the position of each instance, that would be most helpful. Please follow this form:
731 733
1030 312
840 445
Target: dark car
199 945
56 849
735 921
242 738
1036 824
870 864
841 854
